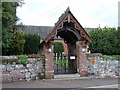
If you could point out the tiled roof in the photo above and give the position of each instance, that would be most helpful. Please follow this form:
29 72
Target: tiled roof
43 31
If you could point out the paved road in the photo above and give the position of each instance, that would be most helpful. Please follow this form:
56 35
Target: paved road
106 86
83 83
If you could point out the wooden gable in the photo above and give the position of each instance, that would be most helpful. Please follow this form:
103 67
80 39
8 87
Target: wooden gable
68 17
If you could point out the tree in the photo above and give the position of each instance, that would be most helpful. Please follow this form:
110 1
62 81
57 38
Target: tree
105 41
12 39
18 43
31 44
0 29
58 47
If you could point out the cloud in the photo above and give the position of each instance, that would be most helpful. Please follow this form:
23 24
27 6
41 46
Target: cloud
90 13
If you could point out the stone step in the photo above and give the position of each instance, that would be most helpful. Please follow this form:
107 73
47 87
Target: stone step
67 76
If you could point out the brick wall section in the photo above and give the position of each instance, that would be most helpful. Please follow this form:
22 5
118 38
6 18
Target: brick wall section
82 63
49 61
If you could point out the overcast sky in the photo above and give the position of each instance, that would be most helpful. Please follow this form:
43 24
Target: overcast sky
90 13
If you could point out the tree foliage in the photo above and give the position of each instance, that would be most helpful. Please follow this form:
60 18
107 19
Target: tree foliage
0 28
105 41
12 39
31 44
58 47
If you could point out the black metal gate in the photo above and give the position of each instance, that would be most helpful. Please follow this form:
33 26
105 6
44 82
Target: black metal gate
60 64
63 66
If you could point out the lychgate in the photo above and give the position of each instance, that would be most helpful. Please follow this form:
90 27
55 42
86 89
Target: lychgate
77 41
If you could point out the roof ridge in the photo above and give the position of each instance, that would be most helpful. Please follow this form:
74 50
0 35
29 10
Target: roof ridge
37 26
68 9
63 15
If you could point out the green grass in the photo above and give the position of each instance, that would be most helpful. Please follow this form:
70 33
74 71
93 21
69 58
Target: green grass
107 57
111 57
62 63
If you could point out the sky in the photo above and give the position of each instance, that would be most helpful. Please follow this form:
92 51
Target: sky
89 13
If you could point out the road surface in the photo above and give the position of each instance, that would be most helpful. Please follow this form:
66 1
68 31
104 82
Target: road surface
83 83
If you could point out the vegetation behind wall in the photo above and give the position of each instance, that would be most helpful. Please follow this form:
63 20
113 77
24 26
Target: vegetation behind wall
58 47
106 41
31 44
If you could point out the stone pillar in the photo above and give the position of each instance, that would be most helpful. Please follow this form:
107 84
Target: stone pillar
82 63
49 61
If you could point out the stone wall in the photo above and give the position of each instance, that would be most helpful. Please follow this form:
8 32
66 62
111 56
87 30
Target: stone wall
103 68
17 72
